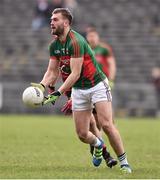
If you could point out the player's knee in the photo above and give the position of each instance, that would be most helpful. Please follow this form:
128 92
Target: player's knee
107 127
82 135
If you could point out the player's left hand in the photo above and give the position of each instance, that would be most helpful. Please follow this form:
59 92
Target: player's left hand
51 98
67 108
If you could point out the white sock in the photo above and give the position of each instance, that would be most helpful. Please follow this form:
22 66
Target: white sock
123 159
97 142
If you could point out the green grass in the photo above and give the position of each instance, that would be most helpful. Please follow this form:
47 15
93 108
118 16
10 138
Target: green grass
47 147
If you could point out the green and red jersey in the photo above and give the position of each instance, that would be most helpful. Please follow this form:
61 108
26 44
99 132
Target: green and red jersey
102 54
76 46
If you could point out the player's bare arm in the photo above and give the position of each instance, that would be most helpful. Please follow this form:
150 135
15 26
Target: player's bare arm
76 66
112 67
51 74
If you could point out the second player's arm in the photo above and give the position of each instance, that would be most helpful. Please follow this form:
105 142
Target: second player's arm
112 67
76 67
51 74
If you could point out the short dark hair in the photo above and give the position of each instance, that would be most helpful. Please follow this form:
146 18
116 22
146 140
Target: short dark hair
66 13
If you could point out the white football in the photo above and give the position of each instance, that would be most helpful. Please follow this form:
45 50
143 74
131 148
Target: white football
32 97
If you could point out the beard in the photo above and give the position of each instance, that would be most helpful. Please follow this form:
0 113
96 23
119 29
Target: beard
59 31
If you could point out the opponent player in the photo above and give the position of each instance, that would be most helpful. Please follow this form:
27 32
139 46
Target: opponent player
89 86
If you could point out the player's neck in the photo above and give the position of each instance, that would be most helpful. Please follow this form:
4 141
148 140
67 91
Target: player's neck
62 38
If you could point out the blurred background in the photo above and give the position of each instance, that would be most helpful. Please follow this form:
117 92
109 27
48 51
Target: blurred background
131 27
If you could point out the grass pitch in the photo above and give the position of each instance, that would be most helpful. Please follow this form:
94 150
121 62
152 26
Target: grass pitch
47 147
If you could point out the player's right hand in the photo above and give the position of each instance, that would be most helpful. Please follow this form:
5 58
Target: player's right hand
39 85
51 98
67 108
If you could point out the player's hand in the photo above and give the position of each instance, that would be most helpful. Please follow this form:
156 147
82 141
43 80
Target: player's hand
51 98
67 108
68 93
39 85
111 84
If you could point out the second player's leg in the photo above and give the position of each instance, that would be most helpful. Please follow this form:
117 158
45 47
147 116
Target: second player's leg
93 127
97 122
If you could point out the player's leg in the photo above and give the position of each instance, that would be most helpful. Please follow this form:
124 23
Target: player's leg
82 122
101 98
104 112
105 119
95 127
81 108
97 122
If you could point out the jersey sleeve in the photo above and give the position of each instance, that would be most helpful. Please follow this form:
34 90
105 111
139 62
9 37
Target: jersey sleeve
52 54
107 52
108 49
77 47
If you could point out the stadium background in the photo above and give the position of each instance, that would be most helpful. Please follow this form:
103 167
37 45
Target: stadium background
46 146
129 26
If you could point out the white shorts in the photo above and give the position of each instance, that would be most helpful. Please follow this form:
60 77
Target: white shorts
85 99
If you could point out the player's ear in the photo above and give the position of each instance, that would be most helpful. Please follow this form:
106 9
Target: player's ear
66 23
